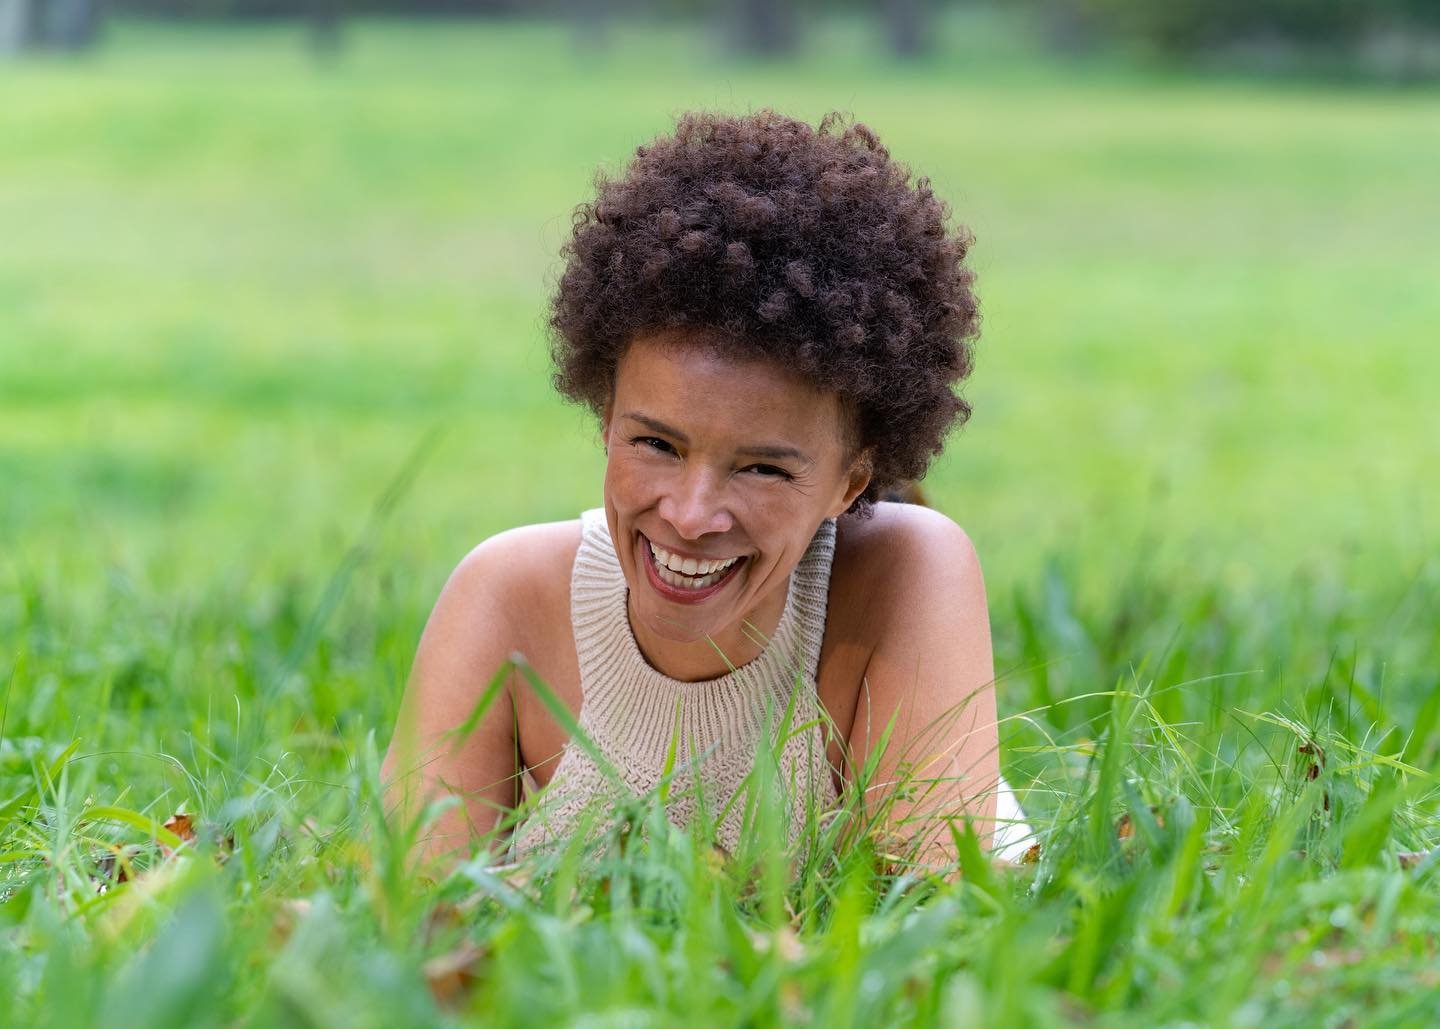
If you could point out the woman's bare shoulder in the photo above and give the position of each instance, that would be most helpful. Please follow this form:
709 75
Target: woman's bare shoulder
900 537
525 570
903 551
509 593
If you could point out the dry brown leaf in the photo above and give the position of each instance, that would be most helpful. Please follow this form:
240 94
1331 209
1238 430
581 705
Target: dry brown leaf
450 976
182 826
1031 855
1412 858
1125 826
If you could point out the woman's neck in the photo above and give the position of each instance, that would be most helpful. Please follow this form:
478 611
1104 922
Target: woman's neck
712 657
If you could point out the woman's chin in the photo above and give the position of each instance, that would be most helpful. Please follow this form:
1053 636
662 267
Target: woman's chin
674 630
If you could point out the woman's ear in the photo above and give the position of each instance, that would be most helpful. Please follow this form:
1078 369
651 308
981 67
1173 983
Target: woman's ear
605 413
858 478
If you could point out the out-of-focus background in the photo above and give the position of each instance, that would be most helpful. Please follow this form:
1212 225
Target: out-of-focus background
253 252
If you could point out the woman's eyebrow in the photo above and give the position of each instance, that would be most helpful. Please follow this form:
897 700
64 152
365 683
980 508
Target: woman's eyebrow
775 453
772 451
655 425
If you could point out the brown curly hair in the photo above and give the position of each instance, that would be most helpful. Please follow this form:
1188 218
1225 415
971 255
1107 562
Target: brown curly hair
774 239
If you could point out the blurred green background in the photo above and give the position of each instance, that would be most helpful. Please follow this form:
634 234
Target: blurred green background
239 284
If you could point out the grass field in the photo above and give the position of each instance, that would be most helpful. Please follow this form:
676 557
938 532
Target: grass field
272 360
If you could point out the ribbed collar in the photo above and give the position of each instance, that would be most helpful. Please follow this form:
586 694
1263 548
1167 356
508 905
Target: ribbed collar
621 689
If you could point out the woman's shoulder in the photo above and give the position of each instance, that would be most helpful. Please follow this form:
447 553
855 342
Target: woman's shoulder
545 542
903 549
525 556
893 530
520 573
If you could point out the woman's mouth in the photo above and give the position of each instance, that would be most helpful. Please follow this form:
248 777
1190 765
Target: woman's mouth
687 579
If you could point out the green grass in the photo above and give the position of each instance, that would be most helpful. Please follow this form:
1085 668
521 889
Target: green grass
271 360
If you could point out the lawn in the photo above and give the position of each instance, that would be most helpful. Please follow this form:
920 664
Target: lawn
272 359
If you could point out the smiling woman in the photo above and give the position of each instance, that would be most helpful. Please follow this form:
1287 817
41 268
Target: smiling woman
769 320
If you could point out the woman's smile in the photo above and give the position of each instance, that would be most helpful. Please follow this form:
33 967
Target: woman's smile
686 580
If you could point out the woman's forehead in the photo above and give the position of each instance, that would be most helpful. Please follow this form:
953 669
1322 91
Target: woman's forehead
705 389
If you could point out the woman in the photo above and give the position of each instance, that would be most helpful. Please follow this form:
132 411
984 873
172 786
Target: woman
768 320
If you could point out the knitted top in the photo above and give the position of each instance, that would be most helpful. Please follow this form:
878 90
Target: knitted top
634 715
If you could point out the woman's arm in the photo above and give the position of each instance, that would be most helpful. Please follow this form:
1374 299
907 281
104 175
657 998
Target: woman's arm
930 670
466 642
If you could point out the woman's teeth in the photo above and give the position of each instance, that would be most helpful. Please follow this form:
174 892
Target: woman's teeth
686 572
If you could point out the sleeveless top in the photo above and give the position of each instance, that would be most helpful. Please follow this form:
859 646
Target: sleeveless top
636 716
641 722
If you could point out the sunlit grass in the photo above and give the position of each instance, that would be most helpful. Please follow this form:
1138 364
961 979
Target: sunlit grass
1230 822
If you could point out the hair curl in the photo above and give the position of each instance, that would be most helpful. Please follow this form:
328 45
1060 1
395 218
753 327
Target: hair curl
774 239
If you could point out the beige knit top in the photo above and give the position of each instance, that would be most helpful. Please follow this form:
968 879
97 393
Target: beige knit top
632 713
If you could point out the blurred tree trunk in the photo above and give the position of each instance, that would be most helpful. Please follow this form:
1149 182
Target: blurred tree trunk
66 24
908 22
14 25
765 26
325 25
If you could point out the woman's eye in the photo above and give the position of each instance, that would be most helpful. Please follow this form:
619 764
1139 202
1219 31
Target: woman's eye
654 443
769 471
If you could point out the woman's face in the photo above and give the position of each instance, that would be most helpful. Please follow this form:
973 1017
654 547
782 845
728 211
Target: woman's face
719 473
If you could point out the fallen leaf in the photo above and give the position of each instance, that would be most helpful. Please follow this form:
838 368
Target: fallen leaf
1412 858
451 975
1125 826
182 825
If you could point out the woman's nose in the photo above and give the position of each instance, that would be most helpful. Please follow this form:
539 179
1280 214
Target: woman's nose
695 506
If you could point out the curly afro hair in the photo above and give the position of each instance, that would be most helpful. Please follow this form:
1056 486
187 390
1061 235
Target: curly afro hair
774 239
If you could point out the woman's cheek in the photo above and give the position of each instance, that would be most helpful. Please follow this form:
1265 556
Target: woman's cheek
628 475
